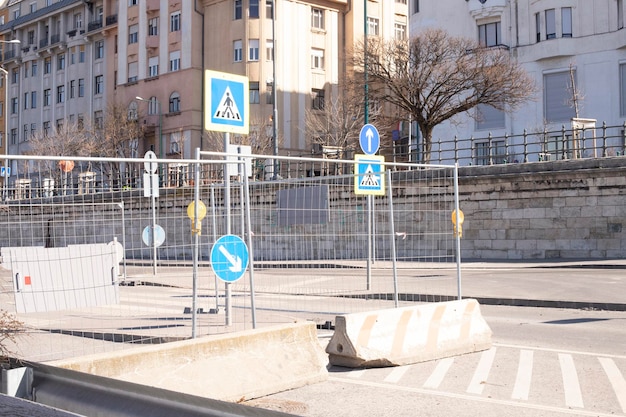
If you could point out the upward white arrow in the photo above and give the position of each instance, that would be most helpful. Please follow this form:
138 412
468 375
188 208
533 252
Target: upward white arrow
235 261
369 135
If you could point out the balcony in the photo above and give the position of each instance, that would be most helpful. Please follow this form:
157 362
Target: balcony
152 6
152 42
43 42
95 25
111 20
55 39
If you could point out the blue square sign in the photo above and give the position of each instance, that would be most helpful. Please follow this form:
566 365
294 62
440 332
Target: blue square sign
226 102
369 176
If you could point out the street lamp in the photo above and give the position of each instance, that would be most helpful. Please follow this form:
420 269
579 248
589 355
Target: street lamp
155 100
5 178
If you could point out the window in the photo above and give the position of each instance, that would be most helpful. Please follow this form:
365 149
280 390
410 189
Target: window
81 87
132 111
33 100
253 9
132 2
61 94
26 97
489 34
133 68
175 22
25 137
372 26
13 136
14 105
72 88
254 92
26 69
78 20
174 60
153 106
318 99
81 53
31 37
622 89
269 50
133 34
33 7
400 31
317 18
620 14
47 65
317 59
269 88
61 61
269 9
33 129
153 66
98 119
566 22
253 50
237 51
550 24
153 26
482 153
416 6
488 117
46 97
15 75
99 47
237 15
538 26
174 102
98 84
33 68
46 127
72 55
557 92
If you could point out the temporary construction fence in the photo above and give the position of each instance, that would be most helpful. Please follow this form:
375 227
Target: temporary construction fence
114 252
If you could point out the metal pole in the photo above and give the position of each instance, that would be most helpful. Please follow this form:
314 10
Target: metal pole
154 246
196 241
214 228
274 96
228 318
249 235
5 179
392 231
458 225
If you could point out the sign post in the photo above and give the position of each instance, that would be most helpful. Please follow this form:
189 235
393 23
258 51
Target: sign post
151 189
226 100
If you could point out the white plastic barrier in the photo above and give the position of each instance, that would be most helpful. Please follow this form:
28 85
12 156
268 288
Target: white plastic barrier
408 335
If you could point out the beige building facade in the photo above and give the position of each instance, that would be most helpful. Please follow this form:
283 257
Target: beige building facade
151 55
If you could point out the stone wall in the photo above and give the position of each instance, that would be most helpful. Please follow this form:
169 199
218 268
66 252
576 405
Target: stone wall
546 210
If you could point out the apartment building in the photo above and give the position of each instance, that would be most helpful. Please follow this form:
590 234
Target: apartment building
576 52
298 47
57 73
75 57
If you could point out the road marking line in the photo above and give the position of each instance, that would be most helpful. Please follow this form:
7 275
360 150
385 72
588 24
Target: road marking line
573 352
396 374
516 404
436 378
521 388
617 380
573 396
481 374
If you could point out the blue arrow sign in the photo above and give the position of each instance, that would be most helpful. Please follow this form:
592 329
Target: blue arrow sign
226 102
229 258
369 139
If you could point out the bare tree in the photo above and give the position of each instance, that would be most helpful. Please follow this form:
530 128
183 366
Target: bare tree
10 326
435 76
71 139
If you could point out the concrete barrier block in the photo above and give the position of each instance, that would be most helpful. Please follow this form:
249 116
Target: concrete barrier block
401 336
230 367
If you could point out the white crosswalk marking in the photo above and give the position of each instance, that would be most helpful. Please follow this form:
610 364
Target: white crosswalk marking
481 374
396 374
571 385
524 375
617 380
435 379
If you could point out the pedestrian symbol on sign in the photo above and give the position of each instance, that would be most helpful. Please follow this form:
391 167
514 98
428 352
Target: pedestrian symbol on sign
369 178
227 108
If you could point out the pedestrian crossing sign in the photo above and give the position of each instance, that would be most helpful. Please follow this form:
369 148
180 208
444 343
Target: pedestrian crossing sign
226 102
370 175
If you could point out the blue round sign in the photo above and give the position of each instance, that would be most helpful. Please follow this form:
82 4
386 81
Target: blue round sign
229 258
369 139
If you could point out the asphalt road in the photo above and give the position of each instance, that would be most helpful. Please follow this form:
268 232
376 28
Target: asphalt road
544 362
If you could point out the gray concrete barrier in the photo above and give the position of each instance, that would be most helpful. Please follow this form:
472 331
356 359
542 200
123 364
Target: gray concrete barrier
232 367
407 335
